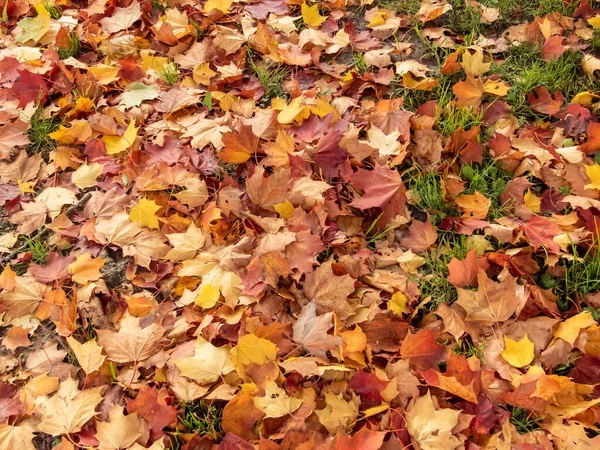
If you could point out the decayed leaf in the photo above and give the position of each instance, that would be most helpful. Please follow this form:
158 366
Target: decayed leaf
131 343
208 364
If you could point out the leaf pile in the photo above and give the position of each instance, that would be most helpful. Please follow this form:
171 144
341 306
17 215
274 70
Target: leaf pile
275 225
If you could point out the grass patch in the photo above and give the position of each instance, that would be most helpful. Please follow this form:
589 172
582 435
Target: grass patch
468 349
464 20
524 420
413 98
271 75
488 179
582 276
408 7
202 418
169 73
360 64
451 118
54 11
70 47
426 190
39 251
435 282
525 70
514 12
39 130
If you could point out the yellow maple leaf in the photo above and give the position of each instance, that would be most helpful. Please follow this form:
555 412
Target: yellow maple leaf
86 269
569 330
145 213
496 87
397 304
26 186
311 16
594 21
80 130
285 209
221 5
473 63
593 172
518 353
203 73
585 98
533 202
208 296
89 355
252 349
378 20
208 364
118 144
293 111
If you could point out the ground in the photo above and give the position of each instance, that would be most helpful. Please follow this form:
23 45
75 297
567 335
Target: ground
258 224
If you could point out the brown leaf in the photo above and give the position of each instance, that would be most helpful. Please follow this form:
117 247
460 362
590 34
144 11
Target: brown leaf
493 302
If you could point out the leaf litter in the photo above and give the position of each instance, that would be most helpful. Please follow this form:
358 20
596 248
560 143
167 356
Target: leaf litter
267 224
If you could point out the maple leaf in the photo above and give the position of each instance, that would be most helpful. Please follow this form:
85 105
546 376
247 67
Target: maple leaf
35 28
365 439
12 135
421 236
473 63
329 292
431 428
464 273
493 302
276 403
240 416
144 213
69 409
122 18
311 16
238 147
30 88
89 355
540 231
208 364
86 269
469 92
19 436
383 188
543 102
55 268
151 405
120 432
24 298
310 331
131 343
422 350
338 413
518 353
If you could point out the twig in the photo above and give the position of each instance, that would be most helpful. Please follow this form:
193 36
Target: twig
43 232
